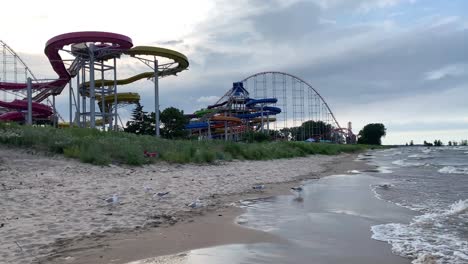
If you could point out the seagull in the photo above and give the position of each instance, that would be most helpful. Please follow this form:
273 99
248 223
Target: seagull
297 189
114 199
160 194
195 204
147 189
258 187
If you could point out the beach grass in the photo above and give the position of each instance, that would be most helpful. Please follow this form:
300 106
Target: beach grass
102 148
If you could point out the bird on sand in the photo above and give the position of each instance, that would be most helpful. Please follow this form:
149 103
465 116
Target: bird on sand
259 187
195 204
160 194
113 200
297 189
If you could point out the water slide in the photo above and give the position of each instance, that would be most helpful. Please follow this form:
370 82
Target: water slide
39 110
115 41
122 98
258 105
179 58
53 46
216 122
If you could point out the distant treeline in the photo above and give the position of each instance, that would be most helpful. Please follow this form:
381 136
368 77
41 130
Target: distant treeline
439 143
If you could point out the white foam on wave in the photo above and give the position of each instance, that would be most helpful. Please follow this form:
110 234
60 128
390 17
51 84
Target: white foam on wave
418 156
385 170
429 238
391 152
404 163
426 151
453 170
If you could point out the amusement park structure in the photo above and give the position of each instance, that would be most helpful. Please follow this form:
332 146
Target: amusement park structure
91 55
300 102
275 103
234 114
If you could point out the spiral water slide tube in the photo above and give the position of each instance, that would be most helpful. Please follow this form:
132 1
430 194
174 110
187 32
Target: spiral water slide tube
179 58
216 122
122 98
261 110
53 46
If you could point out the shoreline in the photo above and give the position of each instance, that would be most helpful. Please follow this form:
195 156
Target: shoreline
196 230
54 204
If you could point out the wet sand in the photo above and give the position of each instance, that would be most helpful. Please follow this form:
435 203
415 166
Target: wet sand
51 204
206 230
329 223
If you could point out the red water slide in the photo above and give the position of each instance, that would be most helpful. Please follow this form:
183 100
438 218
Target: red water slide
53 46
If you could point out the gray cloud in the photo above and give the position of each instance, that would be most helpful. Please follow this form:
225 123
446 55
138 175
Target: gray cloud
369 70
169 42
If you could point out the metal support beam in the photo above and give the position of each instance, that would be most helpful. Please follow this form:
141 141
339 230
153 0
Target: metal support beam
115 95
156 96
92 96
262 118
29 117
70 92
103 98
225 131
54 122
78 110
83 113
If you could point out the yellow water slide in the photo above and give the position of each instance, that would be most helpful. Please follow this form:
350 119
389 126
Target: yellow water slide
180 60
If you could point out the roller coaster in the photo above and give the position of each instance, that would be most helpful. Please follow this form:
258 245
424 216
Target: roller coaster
300 102
88 53
277 103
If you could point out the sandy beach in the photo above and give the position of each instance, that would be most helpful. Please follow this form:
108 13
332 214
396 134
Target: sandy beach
53 208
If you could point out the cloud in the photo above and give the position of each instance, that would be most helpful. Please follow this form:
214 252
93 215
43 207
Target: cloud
372 60
447 71
208 99
169 42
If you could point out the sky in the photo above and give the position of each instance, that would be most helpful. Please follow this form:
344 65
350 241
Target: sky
403 63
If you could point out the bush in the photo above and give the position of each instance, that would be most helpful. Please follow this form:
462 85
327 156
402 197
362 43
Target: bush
94 146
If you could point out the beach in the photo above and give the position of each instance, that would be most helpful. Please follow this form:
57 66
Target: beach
55 208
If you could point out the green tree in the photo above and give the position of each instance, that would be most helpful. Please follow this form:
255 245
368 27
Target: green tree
253 136
141 123
318 130
173 123
372 134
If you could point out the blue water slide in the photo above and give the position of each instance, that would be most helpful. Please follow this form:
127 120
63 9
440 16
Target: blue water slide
271 110
249 116
197 125
253 102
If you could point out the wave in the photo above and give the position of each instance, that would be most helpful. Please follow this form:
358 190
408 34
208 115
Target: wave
429 238
419 156
453 170
404 163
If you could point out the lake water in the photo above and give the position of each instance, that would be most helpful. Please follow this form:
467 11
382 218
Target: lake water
413 208
434 183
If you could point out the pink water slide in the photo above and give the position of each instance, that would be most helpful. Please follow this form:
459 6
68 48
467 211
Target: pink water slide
53 46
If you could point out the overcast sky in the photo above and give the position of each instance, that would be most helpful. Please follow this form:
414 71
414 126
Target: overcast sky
403 63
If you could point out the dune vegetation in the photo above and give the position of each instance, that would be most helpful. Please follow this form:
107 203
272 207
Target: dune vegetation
97 147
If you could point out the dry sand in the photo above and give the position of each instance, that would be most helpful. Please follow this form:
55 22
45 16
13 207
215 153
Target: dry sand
53 206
